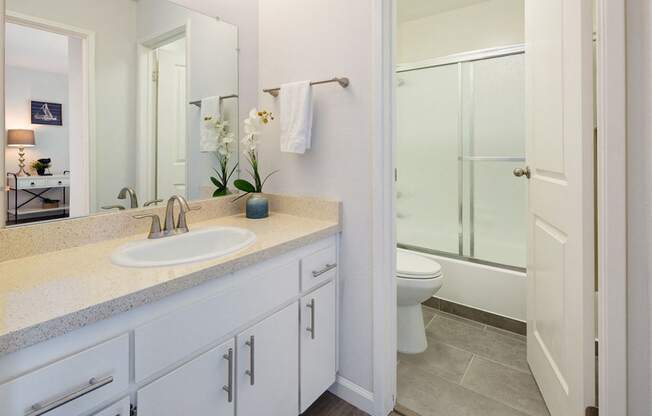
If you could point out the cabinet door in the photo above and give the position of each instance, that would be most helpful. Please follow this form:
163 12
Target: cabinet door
318 343
268 366
200 387
121 408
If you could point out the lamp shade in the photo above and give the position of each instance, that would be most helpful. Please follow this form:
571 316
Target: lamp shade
20 138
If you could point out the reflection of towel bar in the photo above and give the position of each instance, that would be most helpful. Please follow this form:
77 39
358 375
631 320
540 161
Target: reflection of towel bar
492 158
198 103
344 82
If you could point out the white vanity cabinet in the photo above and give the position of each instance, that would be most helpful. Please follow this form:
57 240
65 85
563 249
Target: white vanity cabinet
204 386
318 351
258 342
268 366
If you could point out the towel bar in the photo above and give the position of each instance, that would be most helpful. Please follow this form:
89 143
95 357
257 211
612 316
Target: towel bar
344 82
198 103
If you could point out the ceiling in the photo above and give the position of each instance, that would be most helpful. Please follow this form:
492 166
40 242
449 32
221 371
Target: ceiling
36 49
415 9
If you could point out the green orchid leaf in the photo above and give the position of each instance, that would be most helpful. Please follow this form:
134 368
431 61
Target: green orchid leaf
220 192
244 186
267 177
216 182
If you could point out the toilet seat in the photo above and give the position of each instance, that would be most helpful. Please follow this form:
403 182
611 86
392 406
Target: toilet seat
410 265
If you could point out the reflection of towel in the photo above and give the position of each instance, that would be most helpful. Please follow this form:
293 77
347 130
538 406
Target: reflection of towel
296 117
210 113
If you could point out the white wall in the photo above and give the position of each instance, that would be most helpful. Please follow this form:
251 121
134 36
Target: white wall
212 70
325 39
479 26
639 189
116 77
52 142
115 27
24 85
243 14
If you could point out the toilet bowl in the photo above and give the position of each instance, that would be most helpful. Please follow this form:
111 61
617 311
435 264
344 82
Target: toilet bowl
418 278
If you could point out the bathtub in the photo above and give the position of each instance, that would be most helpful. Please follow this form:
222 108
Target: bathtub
488 288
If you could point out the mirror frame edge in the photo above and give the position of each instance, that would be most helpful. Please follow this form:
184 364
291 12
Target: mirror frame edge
3 201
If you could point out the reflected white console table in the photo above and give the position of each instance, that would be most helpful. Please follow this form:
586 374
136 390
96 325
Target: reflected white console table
36 187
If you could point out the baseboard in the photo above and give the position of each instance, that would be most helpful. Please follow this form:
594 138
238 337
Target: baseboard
478 315
355 395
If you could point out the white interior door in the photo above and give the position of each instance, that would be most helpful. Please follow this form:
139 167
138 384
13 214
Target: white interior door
561 210
171 124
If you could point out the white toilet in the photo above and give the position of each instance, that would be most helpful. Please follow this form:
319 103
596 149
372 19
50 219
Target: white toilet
418 278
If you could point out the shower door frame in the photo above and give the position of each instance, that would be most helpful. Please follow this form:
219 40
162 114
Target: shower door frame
459 59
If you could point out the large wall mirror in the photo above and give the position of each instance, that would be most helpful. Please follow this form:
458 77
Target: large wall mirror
113 105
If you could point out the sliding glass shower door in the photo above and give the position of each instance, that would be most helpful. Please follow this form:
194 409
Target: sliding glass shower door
461 132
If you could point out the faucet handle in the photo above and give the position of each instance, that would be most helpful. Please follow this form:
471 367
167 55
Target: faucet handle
152 202
155 228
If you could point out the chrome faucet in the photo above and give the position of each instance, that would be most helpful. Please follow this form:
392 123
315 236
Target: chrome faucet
133 200
170 228
181 226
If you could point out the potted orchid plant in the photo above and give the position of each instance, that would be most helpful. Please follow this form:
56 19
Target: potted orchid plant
224 152
257 205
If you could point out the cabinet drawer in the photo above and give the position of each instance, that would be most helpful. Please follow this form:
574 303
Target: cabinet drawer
72 385
173 337
31 182
57 182
318 267
121 408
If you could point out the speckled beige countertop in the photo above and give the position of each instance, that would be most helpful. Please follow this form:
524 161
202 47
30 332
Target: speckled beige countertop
47 295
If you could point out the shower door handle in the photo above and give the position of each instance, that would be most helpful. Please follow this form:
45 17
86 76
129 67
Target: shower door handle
520 172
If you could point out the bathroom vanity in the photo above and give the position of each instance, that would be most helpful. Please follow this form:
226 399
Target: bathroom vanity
252 333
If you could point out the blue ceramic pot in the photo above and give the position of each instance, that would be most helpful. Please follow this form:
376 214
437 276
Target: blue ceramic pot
257 207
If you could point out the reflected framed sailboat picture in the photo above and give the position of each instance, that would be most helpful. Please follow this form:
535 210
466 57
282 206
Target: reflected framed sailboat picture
50 114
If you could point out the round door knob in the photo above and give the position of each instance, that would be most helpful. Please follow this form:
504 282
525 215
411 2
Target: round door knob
520 172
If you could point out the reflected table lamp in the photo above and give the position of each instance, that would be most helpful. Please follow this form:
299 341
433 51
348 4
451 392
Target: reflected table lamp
20 138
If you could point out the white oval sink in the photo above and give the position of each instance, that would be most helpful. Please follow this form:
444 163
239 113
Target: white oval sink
197 245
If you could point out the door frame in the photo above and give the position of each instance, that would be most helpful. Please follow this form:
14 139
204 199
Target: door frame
611 206
610 202
147 106
87 37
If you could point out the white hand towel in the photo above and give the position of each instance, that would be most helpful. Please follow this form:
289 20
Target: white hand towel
296 117
210 113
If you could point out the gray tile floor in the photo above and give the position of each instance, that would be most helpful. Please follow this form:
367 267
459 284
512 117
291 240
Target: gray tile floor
468 369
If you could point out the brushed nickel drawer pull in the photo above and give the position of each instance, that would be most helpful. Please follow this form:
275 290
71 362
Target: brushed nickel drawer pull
311 328
46 407
252 357
229 387
328 268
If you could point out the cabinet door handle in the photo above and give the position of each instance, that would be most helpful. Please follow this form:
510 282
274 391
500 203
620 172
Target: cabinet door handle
45 407
252 360
311 328
229 386
326 269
